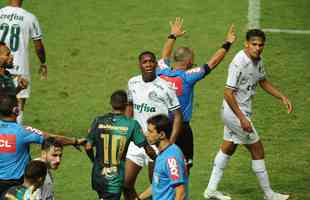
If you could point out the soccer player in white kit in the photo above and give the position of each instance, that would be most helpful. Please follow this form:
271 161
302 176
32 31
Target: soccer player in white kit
148 95
245 71
17 26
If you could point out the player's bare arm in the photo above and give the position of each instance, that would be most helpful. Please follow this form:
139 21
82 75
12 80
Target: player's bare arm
268 87
177 125
232 102
40 50
176 30
220 54
180 192
90 152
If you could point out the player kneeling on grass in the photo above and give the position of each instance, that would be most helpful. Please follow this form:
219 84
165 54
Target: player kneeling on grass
34 177
111 134
170 178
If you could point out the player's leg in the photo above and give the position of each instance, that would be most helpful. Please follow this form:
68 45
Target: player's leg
22 97
135 160
231 140
258 165
131 172
186 143
109 196
220 162
147 193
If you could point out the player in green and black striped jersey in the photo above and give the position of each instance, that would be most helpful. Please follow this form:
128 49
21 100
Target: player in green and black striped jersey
111 134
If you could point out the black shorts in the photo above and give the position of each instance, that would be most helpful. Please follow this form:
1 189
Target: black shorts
6 184
99 184
108 196
186 143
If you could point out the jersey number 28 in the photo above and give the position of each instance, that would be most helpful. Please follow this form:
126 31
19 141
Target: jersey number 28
13 33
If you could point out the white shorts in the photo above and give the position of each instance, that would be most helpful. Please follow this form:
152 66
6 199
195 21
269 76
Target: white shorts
23 93
138 155
233 131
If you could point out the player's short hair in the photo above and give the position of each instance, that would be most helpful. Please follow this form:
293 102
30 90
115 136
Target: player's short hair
119 100
161 123
34 170
7 103
147 53
2 44
50 142
182 54
255 33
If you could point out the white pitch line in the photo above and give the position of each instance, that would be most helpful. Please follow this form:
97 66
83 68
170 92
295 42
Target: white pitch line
254 14
289 31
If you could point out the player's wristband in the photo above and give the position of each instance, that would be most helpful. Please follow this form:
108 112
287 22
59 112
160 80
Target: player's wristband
172 36
226 45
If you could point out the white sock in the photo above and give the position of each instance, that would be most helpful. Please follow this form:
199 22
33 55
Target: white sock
220 162
19 118
259 168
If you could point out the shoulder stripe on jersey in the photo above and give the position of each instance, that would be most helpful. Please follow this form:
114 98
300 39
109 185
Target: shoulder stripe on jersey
34 130
37 37
174 108
231 87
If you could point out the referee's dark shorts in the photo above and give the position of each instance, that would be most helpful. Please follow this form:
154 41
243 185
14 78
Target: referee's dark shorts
186 143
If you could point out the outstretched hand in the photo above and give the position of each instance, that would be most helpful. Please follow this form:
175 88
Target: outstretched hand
176 27
287 103
43 71
231 34
22 83
79 142
246 125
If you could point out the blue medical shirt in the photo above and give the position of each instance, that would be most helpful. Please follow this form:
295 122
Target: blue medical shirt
14 148
169 172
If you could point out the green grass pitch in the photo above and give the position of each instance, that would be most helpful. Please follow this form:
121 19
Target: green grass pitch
92 48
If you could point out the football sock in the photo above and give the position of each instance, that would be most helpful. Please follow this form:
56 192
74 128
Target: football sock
220 162
259 168
19 118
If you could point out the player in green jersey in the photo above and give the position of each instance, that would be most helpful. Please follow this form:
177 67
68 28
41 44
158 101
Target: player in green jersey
111 134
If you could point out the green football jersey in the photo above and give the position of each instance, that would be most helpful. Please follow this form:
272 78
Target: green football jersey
110 135
20 193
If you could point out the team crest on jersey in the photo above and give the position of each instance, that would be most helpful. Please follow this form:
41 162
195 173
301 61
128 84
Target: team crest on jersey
7 143
155 97
173 168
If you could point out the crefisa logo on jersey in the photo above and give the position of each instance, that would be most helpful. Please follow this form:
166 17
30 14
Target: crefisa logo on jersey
144 108
173 168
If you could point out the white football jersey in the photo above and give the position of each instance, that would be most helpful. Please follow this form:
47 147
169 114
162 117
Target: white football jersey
243 75
151 98
17 26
